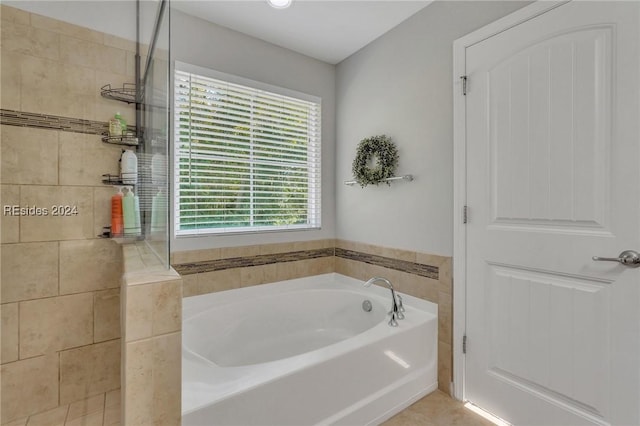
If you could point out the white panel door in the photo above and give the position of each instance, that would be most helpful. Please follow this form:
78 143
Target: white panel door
553 178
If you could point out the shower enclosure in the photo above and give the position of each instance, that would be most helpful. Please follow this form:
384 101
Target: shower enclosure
152 117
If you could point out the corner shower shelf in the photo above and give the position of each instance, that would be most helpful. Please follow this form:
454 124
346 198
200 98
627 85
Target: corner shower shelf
120 140
408 178
127 93
109 179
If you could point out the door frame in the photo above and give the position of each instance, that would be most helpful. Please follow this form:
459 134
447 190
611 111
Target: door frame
460 173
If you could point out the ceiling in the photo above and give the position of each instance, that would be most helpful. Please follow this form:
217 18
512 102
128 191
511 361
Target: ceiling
328 30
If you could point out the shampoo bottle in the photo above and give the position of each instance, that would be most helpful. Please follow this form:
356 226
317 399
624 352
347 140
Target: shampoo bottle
158 213
123 123
115 127
136 214
129 167
128 210
117 224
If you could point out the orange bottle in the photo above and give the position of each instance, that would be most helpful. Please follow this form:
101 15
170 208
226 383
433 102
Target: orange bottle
117 224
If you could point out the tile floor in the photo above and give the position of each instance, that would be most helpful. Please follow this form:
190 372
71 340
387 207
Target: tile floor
99 410
437 409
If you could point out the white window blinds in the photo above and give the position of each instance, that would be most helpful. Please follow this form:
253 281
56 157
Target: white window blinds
245 159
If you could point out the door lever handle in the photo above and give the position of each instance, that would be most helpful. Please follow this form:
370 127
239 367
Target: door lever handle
628 258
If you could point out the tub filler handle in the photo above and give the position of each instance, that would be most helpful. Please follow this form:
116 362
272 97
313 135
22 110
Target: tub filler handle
397 309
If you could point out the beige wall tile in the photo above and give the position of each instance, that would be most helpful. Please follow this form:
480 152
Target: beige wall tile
131 63
290 270
445 275
10 80
445 374
429 259
86 406
112 415
102 208
75 51
85 158
29 40
167 307
138 382
379 271
351 268
87 265
61 27
93 419
29 156
323 265
152 394
17 422
54 417
347 245
276 248
252 275
11 14
9 225
190 285
112 398
9 333
445 318
89 370
301 268
209 282
66 90
167 378
395 253
106 315
29 271
308 245
422 287
29 386
55 323
119 43
242 251
195 256
50 228
138 319
270 273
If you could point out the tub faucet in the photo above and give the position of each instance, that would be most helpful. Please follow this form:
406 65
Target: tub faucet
395 311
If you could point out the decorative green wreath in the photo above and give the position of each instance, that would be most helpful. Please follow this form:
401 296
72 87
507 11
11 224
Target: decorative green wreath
387 156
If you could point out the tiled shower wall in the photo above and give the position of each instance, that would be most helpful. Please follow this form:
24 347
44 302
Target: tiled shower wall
60 283
418 274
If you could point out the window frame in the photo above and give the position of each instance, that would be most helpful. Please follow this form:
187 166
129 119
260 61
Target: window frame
246 230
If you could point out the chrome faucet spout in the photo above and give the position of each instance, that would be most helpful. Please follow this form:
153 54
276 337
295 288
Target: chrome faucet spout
395 312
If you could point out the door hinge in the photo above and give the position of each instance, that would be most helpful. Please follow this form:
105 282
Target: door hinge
463 80
465 214
464 344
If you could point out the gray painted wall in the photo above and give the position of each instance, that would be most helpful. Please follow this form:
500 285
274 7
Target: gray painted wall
197 42
401 85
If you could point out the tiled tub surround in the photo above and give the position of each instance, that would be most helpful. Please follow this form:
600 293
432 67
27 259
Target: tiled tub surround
151 324
60 296
419 274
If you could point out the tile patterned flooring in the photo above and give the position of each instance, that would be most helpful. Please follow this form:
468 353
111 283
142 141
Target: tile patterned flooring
99 410
437 409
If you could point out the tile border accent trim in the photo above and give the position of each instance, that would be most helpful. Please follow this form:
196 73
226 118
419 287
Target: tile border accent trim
53 122
414 268
243 262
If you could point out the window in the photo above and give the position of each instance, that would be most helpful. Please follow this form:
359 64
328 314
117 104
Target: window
246 159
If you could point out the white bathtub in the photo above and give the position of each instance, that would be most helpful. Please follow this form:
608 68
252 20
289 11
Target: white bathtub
304 352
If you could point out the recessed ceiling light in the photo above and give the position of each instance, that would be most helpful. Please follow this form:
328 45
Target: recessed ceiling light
279 4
